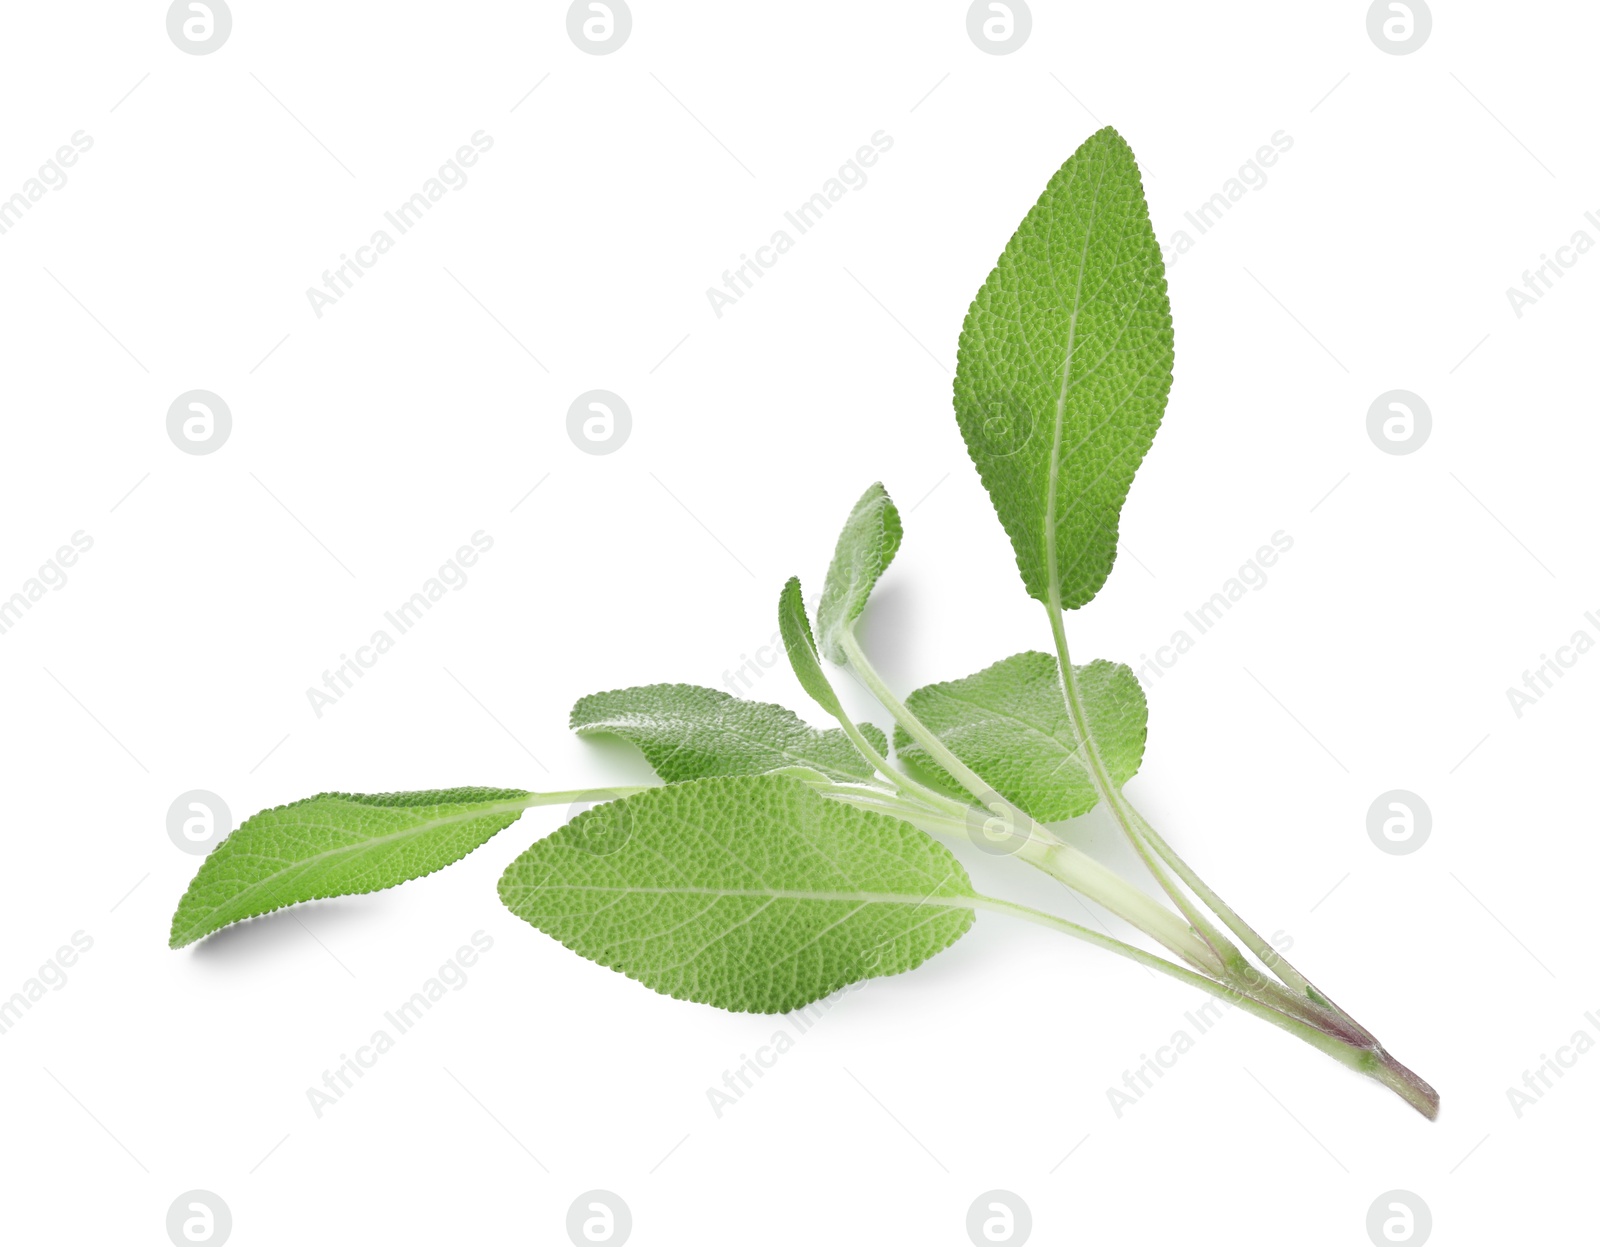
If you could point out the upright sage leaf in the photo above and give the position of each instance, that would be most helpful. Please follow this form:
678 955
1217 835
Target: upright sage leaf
1063 370
794 625
338 844
688 732
866 548
1009 724
751 893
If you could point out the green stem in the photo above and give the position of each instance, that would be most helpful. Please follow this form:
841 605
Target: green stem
1270 957
919 732
1298 997
1301 998
1063 862
890 772
1111 796
1239 982
1374 1063
1293 1005
1101 884
1210 953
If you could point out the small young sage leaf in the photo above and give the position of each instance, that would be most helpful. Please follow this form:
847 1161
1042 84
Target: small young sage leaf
866 547
795 627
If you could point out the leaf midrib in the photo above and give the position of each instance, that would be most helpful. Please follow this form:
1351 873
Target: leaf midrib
1053 573
963 901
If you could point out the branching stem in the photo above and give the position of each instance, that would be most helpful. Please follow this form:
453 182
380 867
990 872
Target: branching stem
918 731
1214 963
1373 1062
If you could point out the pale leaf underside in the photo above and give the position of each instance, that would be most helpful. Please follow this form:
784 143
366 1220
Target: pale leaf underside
867 545
689 732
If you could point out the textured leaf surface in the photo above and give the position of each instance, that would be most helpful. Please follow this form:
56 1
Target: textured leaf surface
795 627
1009 723
1064 366
338 844
866 548
689 732
749 893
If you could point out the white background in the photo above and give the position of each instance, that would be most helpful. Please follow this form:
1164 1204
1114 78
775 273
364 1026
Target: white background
178 655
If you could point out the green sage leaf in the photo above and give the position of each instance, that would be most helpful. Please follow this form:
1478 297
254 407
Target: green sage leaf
1009 723
795 627
338 844
689 732
1063 370
865 549
751 893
